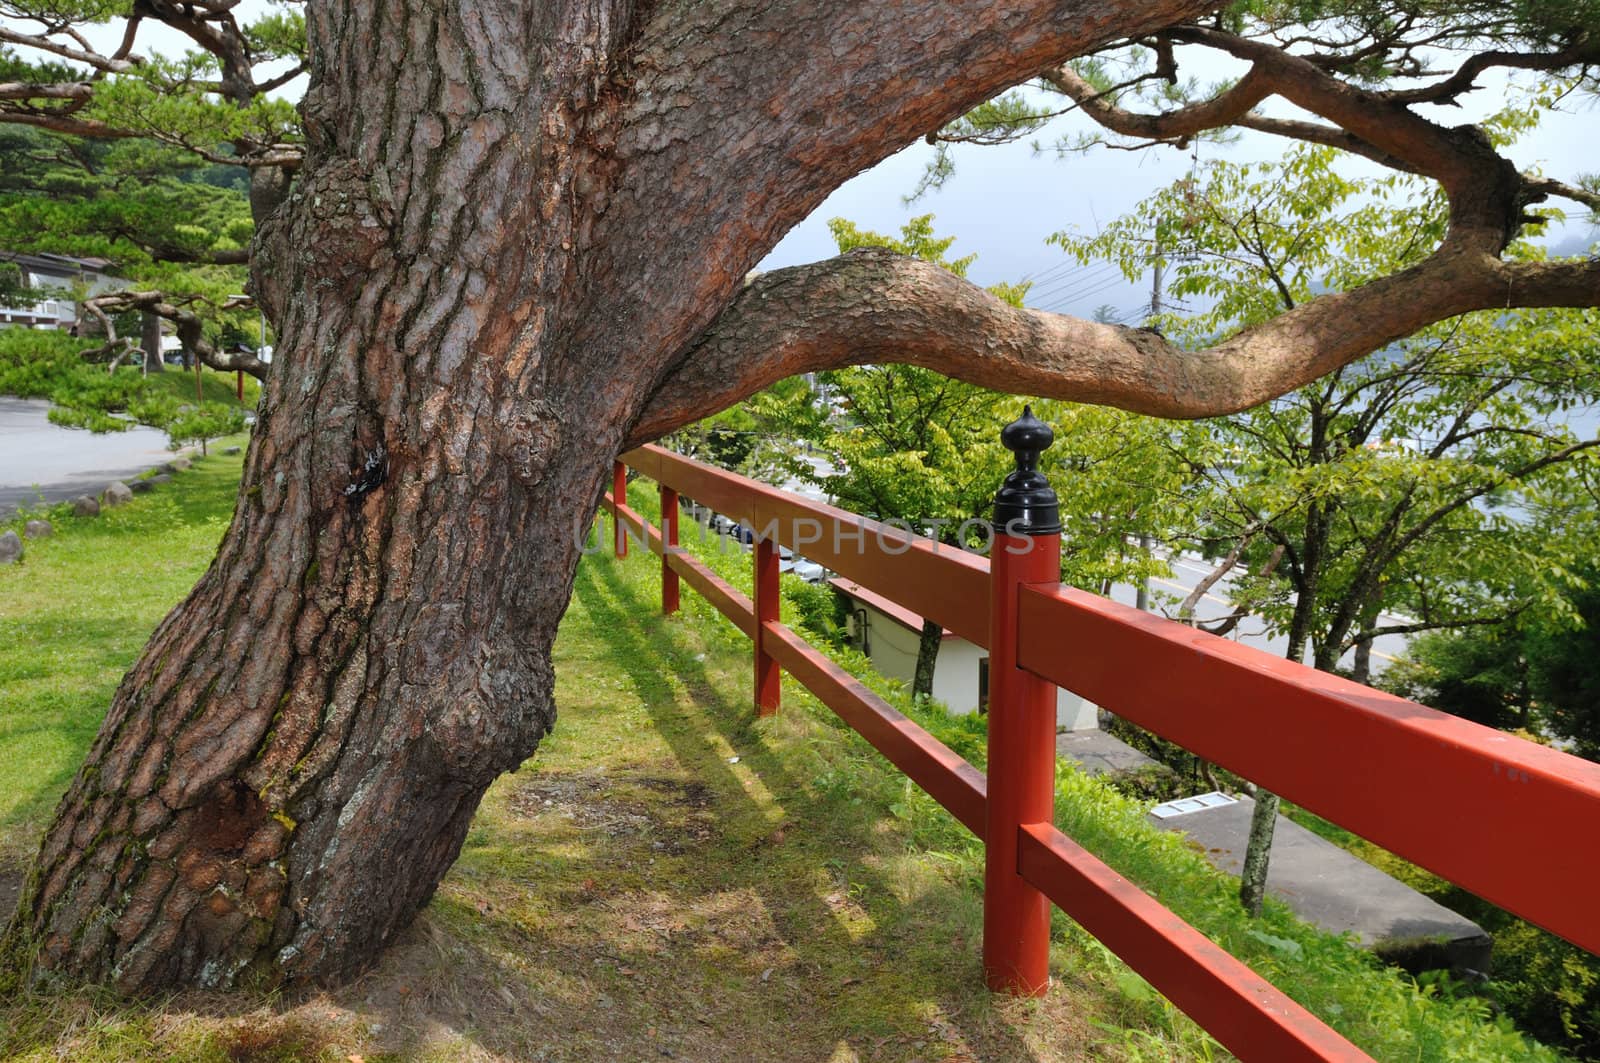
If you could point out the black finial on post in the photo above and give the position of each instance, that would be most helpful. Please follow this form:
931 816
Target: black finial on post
1025 503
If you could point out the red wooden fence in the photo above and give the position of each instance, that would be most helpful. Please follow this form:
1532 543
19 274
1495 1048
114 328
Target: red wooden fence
1510 820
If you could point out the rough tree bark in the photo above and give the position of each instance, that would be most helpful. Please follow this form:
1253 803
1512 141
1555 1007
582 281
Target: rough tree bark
928 642
517 245
487 266
150 341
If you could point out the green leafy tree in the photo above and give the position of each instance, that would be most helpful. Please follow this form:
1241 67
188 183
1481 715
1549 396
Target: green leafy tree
1409 484
1127 485
175 227
1531 674
1484 676
161 164
1537 674
911 444
203 423
757 437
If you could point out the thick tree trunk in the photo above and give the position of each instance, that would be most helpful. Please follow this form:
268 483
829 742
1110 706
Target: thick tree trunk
290 768
1361 671
513 221
928 642
150 340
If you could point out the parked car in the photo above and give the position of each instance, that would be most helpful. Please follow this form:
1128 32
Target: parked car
809 571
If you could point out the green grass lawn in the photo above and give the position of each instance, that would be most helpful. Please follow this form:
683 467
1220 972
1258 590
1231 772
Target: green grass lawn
667 878
215 385
74 614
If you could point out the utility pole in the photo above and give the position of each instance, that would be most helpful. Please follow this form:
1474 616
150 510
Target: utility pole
1142 598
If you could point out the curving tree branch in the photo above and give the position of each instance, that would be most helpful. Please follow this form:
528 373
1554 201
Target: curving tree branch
1176 126
1583 51
873 306
65 90
110 64
211 26
189 325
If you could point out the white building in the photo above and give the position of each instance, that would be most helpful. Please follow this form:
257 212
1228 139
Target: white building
889 635
81 277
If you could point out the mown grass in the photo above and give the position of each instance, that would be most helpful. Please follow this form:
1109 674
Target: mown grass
215 386
74 613
669 877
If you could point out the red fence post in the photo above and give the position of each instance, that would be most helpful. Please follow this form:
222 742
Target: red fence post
1022 720
766 587
619 495
669 543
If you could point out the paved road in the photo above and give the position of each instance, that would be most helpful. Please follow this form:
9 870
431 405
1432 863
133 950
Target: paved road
1187 572
42 461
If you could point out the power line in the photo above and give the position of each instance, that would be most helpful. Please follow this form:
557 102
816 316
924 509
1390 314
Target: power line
1068 286
1076 275
1049 271
1075 297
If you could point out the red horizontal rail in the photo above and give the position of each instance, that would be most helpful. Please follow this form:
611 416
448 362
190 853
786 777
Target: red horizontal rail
713 588
1514 822
1249 1015
1511 820
933 580
728 601
931 764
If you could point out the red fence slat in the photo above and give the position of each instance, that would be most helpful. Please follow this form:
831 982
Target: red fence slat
1250 1016
933 580
1512 821
710 586
932 765
728 601
768 689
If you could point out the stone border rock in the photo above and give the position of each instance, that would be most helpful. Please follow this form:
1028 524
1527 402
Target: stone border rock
118 493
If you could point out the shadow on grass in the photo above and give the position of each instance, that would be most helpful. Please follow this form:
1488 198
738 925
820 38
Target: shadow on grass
658 909
628 625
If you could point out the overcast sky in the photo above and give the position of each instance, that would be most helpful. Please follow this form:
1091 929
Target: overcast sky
1004 201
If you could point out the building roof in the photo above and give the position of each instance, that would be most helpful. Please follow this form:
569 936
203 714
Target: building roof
64 265
893 610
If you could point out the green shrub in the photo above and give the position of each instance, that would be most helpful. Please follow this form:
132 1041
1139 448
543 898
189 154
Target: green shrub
34 363
209 420
47 365
92 419
816 608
